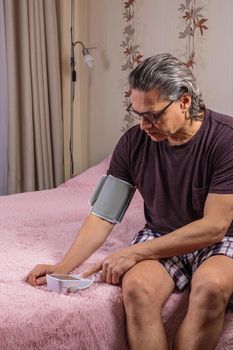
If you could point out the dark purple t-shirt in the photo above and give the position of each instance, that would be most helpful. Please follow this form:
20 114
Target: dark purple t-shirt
174 180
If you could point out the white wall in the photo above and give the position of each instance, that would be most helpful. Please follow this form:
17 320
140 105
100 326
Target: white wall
157 24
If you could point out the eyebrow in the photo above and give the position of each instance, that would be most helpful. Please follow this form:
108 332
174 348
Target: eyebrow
147 112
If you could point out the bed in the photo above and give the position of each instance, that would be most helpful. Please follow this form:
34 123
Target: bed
39 227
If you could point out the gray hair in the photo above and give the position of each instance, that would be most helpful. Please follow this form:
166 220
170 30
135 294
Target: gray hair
171 77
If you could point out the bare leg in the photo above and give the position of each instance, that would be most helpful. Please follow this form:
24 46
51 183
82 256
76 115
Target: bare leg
146 287
212 285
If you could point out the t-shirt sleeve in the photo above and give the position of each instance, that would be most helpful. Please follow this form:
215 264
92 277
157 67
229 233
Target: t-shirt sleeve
222 178
120 161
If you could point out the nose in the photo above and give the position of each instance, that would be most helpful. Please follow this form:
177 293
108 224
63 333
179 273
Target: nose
145 124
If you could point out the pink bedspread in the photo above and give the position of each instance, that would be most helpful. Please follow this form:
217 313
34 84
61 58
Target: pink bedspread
39 227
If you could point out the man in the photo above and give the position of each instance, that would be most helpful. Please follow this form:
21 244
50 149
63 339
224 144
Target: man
180 158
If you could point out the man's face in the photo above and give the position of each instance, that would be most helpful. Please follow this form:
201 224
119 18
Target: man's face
169 123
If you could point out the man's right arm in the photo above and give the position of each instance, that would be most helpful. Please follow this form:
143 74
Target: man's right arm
90 237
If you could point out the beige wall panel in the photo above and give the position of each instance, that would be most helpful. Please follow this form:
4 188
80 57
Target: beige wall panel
80 130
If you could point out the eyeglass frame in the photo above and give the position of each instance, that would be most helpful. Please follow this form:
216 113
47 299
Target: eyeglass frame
154 116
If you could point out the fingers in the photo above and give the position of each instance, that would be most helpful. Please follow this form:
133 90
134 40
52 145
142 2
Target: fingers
116 277
31 278
40 281
106 273
111 270
110 273
92 271
115 265
37 275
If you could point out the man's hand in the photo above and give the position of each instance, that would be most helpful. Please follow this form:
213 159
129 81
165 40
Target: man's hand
37 276
114 266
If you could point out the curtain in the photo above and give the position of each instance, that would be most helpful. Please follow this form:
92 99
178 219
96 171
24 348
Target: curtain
3 106
35 135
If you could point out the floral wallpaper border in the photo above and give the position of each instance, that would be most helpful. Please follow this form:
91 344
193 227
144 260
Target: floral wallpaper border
132 55
194 22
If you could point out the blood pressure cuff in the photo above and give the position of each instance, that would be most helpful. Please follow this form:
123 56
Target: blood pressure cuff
111 198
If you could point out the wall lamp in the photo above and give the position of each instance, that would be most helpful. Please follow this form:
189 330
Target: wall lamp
88 60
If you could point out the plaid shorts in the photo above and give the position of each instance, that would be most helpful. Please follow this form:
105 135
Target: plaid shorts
181 268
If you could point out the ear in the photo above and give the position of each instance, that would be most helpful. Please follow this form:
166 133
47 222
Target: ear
185 102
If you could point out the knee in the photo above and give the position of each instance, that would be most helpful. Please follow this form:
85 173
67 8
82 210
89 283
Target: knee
137 294
209 298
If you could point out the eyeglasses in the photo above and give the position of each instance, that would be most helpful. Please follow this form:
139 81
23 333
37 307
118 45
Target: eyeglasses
150 117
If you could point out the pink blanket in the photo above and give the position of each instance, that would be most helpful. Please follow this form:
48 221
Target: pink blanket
39 227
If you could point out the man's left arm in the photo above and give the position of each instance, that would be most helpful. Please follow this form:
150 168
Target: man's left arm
210 229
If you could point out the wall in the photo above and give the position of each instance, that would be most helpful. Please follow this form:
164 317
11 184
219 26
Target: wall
215 71
81 115
105 32
157 25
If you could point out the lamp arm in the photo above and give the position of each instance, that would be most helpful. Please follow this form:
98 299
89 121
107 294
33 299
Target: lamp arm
79 42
